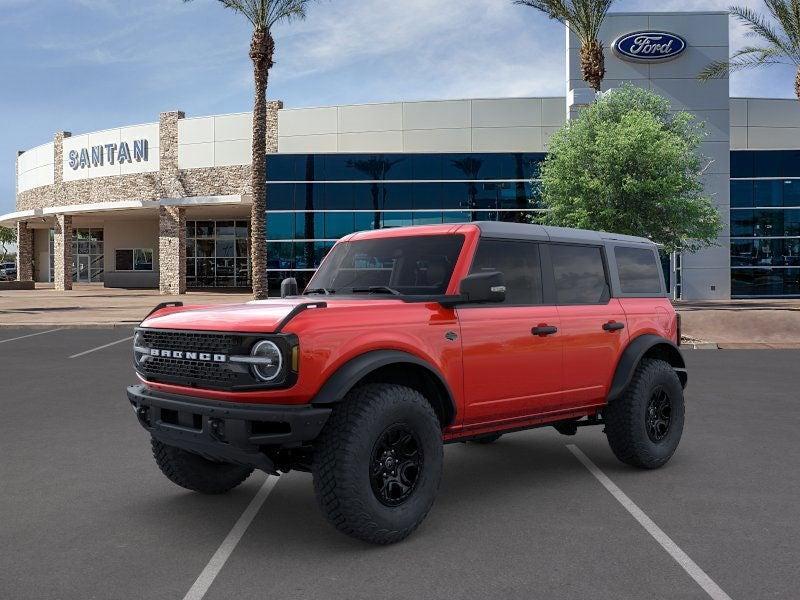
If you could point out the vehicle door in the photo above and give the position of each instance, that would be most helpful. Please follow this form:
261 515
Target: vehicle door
593 324
512 352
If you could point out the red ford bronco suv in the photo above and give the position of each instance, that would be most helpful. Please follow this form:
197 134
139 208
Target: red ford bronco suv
406 339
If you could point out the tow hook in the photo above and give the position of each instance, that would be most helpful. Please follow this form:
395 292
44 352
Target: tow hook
143 414
217 429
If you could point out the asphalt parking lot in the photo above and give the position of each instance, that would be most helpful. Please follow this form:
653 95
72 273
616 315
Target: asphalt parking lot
85 513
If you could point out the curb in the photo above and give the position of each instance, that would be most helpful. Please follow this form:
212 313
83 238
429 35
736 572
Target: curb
703 346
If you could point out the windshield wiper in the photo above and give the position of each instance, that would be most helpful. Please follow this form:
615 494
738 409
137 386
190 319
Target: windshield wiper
377 289
323 291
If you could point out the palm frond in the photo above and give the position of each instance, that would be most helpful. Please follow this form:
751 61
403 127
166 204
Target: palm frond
784 14
759 26
583 17
745 58
263 14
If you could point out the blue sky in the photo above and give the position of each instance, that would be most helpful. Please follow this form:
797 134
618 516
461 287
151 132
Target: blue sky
84 65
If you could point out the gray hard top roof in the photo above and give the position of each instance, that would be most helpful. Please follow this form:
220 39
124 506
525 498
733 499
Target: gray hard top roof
524 231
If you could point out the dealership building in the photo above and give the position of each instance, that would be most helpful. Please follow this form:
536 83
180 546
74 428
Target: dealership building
167 204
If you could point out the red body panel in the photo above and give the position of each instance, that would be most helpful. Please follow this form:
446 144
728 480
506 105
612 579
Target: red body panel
500 374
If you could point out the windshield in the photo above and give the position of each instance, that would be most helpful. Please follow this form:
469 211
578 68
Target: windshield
414 265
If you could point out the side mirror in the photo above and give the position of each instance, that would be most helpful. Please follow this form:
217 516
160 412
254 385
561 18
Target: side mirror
289 287
479 288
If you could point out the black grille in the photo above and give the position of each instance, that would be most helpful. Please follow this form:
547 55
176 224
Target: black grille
193 372
191 341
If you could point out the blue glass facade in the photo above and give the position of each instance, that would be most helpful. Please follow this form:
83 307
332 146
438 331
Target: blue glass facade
765 223
315 199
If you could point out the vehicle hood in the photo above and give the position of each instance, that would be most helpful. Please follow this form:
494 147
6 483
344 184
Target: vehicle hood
262 316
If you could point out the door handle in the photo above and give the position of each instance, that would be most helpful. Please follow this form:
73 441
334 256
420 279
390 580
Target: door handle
544 330
613 326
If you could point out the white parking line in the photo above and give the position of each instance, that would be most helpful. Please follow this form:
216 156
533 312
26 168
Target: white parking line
688 565
101 347
22 337
214 566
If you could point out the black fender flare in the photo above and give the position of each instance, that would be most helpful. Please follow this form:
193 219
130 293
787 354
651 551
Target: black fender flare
633 354
350 373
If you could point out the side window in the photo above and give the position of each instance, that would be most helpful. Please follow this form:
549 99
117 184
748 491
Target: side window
580 277
519 264
638 271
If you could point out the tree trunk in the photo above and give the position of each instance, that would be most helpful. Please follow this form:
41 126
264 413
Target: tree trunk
593 64
797 84
262 48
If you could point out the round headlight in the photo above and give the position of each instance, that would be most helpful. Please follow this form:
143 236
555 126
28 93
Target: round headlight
270 360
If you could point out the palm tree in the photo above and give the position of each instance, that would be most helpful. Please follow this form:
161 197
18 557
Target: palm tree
584 19
780 41
263 15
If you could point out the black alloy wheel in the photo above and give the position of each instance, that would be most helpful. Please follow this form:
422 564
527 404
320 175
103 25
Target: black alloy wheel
659 415
396 464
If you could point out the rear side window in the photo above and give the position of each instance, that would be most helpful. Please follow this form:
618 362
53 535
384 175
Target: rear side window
638 271
520 266
580 277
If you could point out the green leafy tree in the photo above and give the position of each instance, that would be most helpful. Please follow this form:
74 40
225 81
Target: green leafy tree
584 18
778 40
8 236
628 165
263 15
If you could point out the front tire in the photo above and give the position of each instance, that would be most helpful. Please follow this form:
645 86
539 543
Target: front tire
378 462
645 425
193 472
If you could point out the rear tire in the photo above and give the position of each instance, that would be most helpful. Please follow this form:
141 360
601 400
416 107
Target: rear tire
644 425
193 472
378 462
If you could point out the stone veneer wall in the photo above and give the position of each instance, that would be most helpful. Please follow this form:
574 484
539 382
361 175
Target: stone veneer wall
171 250
24 252
62 251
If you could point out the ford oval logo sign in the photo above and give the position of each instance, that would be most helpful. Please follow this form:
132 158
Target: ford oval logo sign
649 46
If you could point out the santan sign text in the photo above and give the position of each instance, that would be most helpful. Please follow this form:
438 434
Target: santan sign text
97 156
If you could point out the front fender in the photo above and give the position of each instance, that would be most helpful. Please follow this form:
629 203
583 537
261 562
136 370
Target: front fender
640 347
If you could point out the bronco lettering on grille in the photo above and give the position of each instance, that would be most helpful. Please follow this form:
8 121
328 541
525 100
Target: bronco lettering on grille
181 355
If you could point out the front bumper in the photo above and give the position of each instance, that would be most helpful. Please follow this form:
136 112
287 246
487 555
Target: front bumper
225 431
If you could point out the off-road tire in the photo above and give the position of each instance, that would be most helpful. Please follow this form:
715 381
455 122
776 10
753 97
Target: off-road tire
344 454
193 472
626 417
489 438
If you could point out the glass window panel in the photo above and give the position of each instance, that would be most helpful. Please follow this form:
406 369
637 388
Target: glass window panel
512 195
341 167
321 250
280 226
456 216
205 248
768 193
189 229
528 165
189 248
304 255
242 271
396 196
190 263
367 220
768 222
485 195
205 271
242 248
123 260
464 166
338 224
83 247
427 218
427 195
742 194
638 270
455 195
366 196
790 165
742 164
225 267
397 219
310 196
579 274
226 248
515 216
204 229
426 166
791 223
519 264
143 260
243 229
742 223
281 167
283 253
309 226
768 163
339 196
791 192
226 228
280 196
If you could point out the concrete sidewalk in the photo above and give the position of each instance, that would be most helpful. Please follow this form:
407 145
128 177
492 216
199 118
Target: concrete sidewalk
92 305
